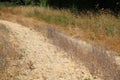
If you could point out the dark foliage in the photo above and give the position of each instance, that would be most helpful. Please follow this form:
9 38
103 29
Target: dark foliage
78 4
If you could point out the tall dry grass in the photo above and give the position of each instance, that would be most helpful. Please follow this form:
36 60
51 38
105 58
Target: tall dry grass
97 28
103 22
98 60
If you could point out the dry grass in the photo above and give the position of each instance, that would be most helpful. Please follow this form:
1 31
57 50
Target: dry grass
8 56
99 61
101 28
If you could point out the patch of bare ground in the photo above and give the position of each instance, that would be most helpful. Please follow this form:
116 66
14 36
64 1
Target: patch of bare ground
8 56
42 60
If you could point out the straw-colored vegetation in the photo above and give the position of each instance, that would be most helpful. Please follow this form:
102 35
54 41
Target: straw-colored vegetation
101 28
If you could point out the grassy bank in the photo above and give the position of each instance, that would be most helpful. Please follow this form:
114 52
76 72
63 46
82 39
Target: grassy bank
101 28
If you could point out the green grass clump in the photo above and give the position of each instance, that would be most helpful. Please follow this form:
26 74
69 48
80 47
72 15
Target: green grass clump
110 31
50 18
87 79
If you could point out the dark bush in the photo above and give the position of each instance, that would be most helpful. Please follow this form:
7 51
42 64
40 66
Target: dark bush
113 5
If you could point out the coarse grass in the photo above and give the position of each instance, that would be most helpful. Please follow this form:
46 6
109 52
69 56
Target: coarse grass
103 22
101 28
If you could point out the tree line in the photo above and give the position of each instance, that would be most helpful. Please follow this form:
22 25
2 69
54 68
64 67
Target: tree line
72 4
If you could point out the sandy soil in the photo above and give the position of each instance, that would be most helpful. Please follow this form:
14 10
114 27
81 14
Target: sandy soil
42 60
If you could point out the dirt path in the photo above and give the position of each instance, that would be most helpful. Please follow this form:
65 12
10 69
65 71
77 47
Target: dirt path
42 60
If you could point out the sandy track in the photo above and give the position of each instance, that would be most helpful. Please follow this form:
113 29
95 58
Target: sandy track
42 60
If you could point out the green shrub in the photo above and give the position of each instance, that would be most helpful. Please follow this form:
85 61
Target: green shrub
43 3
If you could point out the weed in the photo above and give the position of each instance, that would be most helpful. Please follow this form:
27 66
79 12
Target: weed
110 31
61 20
87 79
31 65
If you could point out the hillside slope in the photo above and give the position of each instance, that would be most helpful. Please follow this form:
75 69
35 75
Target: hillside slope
41 60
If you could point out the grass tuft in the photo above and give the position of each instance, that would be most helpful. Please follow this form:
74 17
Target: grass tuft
110 31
